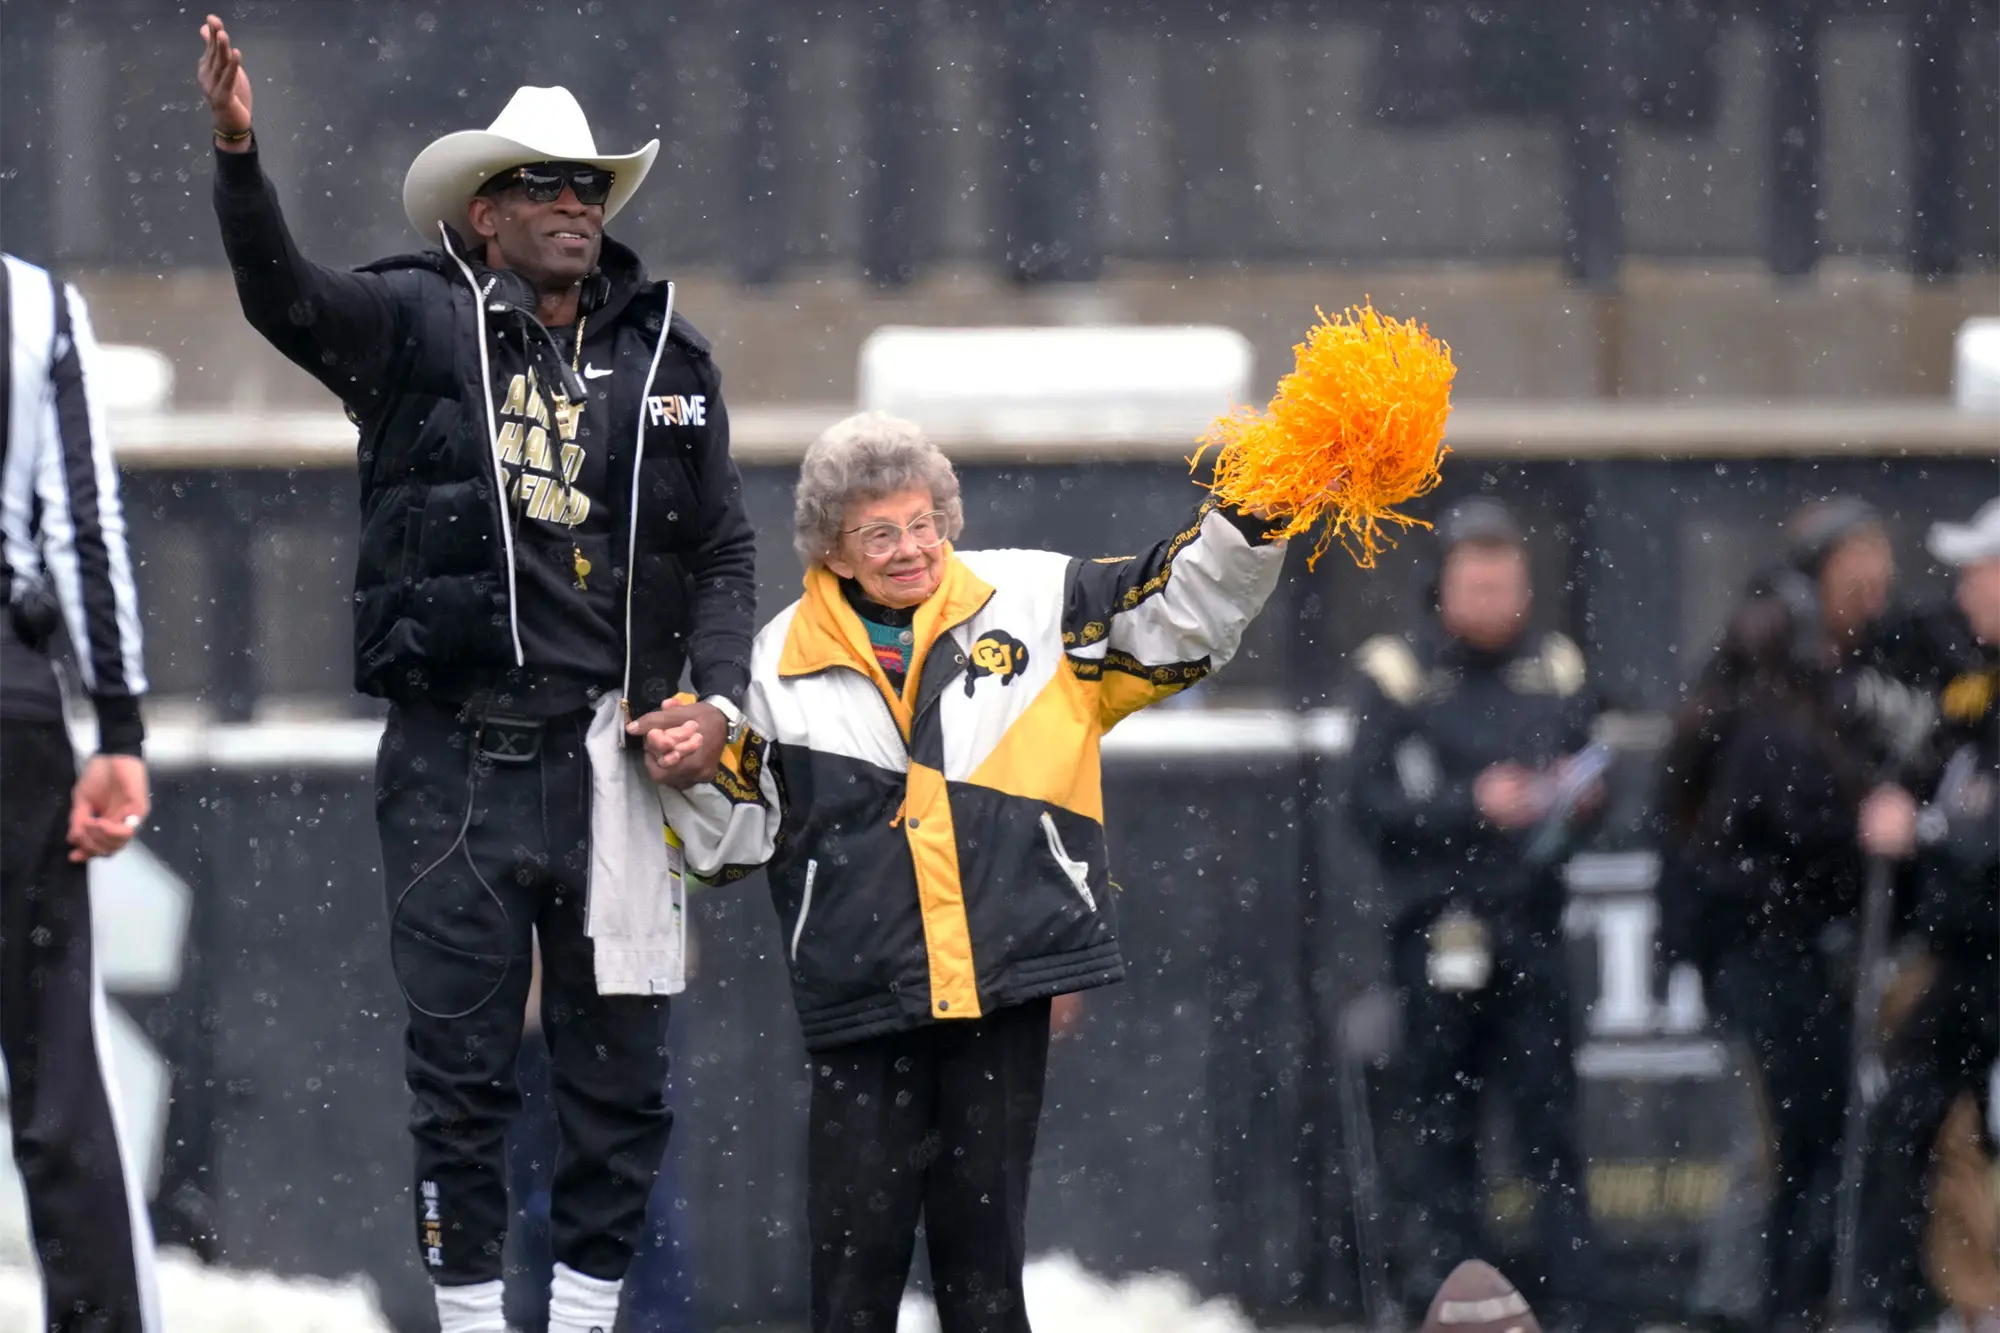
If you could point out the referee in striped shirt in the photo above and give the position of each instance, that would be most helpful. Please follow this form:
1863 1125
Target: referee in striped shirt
65 564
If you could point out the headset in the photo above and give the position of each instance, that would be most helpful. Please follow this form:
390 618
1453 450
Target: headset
506 294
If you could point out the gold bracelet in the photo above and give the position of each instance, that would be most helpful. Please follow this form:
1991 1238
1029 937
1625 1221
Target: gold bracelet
237 137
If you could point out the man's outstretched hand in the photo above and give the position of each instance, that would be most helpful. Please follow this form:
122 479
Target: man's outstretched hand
684 742
225 85
111 800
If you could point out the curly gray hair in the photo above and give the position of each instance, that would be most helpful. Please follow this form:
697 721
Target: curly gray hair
865 457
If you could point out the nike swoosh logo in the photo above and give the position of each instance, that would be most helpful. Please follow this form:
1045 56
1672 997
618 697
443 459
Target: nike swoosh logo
593 373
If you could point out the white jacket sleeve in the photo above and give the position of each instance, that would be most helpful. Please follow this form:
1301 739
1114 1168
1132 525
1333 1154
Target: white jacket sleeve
1159 622
728 827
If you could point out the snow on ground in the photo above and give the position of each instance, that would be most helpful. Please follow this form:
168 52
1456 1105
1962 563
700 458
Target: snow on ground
198 1299
1064 1298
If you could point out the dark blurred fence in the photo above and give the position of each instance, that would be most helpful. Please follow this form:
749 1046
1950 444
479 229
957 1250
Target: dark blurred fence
1048 138
1646 522
1192 1122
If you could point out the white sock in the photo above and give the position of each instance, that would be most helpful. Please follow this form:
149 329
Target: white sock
473 1309
579 1304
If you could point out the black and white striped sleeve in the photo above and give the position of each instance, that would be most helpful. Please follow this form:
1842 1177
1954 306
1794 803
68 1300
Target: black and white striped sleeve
82 529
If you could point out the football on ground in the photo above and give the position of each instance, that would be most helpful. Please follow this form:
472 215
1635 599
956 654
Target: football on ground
1477 1299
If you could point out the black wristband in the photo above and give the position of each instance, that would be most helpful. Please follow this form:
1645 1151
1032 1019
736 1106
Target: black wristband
120 728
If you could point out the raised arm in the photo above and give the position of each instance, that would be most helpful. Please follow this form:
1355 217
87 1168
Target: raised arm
1153 624
337 326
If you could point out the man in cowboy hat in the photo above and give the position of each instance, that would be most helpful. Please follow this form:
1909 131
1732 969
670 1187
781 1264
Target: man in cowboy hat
551 531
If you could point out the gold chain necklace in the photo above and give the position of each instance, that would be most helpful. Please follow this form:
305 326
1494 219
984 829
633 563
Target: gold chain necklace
578 563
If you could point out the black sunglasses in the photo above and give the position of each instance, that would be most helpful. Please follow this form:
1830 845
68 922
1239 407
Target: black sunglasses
543 182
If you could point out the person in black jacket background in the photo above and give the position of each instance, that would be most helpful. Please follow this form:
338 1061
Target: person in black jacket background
1812 709
65 565
1944 1053
1464 731
552 530
1791 737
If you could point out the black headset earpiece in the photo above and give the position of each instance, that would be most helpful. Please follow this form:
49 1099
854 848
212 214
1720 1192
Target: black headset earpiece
502 291
593 292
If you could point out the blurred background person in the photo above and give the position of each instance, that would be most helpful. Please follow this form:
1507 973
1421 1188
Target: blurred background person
1929 1238
1765 779
65 566
1465 728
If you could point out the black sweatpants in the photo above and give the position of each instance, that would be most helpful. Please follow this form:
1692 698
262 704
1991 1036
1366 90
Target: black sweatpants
89 1221
486 848
1784 1001
938 1122
1512 1038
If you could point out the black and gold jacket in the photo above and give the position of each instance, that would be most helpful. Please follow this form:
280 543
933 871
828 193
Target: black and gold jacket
937 852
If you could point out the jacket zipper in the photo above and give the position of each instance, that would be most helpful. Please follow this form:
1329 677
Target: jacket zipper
805 908
1078 872
492 444
632 532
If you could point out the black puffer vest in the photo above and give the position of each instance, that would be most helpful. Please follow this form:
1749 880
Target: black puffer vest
434 606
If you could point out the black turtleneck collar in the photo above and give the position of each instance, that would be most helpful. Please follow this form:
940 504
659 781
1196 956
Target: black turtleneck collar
869 609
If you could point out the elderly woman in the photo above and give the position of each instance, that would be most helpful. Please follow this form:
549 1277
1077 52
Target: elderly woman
919 770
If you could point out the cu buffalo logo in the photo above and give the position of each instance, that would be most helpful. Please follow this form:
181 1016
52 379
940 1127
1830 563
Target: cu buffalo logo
996 653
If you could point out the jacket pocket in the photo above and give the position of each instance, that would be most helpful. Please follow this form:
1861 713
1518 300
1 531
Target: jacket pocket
1077 872
805 908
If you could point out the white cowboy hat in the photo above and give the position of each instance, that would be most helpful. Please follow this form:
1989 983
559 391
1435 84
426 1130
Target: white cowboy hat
537 125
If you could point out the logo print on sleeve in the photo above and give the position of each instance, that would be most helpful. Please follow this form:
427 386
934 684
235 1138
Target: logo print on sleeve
995 653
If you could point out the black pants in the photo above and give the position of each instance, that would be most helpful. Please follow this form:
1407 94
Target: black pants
1784 1001
1946 1050
89 1223
939 1122
486 848
1512 1037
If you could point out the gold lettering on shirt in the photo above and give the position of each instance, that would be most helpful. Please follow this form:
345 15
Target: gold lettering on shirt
510 443
517 397
538 451
536 488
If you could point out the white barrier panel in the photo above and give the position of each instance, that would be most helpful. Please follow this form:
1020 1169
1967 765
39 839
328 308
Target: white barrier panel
132 379
1025 385
139 922
1975 371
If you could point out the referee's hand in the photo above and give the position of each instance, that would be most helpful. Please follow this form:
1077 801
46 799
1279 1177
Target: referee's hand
109 805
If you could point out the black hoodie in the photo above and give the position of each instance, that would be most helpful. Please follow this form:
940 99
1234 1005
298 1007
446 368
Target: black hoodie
491 557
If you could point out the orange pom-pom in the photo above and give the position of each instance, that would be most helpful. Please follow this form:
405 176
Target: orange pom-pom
1356 429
